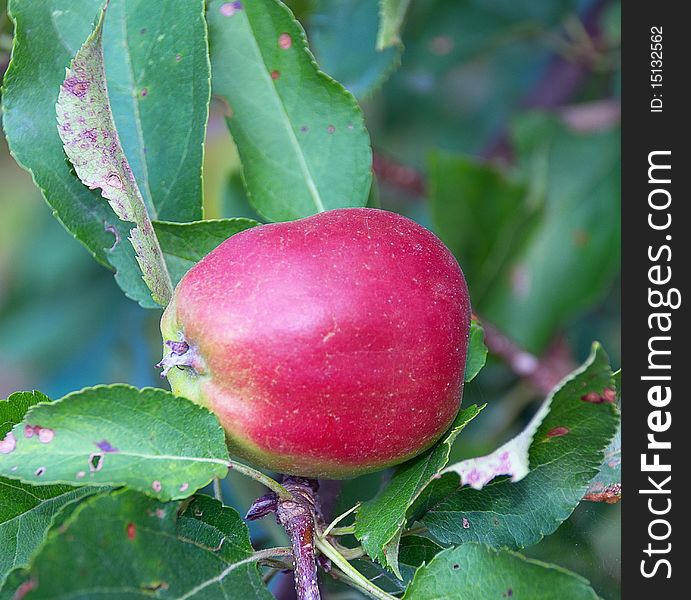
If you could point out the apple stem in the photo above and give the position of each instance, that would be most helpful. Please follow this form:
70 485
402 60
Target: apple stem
299 516
267 481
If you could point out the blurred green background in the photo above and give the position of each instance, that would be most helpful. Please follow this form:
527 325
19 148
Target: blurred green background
496 124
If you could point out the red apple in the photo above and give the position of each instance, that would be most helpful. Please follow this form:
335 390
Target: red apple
327 347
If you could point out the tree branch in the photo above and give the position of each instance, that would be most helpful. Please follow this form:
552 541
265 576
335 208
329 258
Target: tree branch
299 514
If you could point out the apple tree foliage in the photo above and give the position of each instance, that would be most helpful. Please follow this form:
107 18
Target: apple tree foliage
107 105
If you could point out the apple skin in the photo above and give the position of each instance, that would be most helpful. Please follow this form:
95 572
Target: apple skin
328 347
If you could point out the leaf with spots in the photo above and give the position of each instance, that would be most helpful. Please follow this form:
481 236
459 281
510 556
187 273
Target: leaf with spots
379 522
91 142
119 435
606 485
477 351
26 512
564 454
30 90
481 572
149 127
158 72
391 17
300 135
185 244
148 543
13 409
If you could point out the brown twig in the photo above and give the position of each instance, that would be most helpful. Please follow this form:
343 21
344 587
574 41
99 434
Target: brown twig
298 519
299 514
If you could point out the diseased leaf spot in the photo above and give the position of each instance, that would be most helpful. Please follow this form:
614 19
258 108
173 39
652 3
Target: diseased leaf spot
156 586
144 93
80 474
116 234
608 396
230 8
184 487
24 589
557 432
131 531
114 180
304 129
106 446
76 86
45 435
156 486
8 444
592 397
610 494
96 461
331 129
40 471
275 74
285 41
178 57
466 523
456 567
90 134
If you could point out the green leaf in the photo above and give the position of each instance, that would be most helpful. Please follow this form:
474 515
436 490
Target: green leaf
606 485
481 215
145 439
13 409
565 453
26 512
87 129
476 572
380 521
570 261
414 551
185 244
301 137
31 89
137 547
477 351
391 16
157 65
343 35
